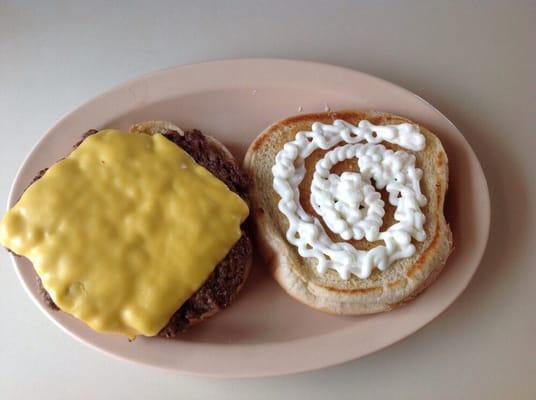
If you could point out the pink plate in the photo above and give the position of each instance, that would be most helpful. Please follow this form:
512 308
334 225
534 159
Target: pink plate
266 332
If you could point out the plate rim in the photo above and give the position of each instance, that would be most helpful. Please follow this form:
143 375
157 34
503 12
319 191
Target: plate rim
486 208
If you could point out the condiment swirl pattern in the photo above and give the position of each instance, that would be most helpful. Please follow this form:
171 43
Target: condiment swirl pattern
349 204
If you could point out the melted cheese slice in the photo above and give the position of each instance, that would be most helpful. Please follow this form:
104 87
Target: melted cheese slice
124 230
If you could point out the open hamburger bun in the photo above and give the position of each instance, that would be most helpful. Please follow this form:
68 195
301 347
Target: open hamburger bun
297 275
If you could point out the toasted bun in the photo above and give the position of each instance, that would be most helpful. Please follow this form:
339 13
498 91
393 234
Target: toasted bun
382 291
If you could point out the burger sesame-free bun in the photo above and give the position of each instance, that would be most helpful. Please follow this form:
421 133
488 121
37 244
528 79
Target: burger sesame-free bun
381 291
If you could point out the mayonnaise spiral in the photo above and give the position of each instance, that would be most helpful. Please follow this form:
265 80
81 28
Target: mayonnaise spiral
349 204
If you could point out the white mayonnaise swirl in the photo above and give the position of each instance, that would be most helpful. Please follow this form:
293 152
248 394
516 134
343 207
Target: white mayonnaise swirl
349 204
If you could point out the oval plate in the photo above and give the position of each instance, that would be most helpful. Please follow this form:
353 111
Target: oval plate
266 332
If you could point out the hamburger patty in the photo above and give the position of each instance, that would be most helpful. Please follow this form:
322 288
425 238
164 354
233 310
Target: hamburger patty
228 276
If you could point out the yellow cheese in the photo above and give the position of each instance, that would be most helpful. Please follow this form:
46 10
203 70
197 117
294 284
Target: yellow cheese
124 230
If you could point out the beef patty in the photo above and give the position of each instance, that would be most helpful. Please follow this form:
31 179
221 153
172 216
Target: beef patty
229 275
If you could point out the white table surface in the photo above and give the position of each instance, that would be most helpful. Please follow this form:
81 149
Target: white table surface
475 61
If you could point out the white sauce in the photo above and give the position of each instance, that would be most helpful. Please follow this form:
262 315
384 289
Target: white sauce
349 204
